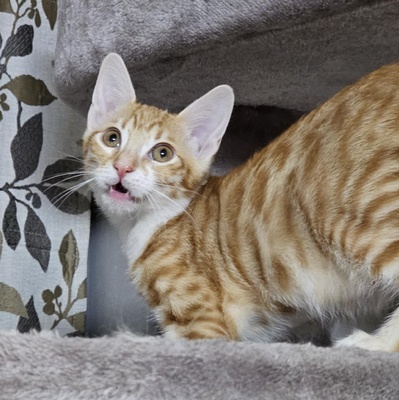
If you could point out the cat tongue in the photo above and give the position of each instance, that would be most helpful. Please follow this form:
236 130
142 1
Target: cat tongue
119 192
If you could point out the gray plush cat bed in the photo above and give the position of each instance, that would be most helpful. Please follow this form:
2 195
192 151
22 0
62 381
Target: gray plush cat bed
44 366
287 53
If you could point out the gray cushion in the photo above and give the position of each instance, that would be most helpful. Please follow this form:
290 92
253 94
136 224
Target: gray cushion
43 366
287 53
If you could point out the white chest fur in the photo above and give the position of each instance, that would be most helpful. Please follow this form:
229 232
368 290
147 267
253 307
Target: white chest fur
136 233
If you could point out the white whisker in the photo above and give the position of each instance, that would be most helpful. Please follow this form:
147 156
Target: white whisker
68 175
150 200
60 198
183 209
181 189
70 156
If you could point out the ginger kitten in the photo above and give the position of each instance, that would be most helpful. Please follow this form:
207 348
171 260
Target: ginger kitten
307 229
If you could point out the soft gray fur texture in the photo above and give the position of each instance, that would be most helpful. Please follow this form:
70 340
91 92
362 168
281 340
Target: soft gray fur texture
44 366
287 53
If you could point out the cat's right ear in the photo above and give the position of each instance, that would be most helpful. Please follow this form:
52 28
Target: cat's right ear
206 120
113 89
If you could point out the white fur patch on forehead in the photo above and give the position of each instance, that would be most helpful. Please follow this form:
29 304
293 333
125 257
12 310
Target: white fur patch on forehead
124 136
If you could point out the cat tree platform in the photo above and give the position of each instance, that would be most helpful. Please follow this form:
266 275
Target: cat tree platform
43 366
287 53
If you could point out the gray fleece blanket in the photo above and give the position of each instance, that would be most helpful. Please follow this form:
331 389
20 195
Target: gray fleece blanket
45 366
286 53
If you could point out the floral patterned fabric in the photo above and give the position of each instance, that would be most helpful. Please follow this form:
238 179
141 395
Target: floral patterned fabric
44 215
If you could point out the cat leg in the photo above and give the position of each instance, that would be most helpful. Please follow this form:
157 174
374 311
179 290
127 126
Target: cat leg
194 321
196 330
386 338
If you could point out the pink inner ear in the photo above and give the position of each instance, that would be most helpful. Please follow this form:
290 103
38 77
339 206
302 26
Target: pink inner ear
113 89
207 119
203 140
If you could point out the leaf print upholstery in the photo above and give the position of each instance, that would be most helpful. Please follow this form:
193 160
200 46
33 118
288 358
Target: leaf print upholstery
43 212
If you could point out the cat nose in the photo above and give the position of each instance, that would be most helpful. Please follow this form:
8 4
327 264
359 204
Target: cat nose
123 169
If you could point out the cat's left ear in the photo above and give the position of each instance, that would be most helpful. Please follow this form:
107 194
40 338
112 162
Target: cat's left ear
113 89
207 119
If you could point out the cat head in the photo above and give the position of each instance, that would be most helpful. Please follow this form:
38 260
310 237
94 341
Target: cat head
140 157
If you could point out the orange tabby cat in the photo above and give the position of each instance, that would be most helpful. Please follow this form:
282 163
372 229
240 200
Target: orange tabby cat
307 229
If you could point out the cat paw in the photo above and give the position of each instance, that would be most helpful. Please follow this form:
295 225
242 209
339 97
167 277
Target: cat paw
363 340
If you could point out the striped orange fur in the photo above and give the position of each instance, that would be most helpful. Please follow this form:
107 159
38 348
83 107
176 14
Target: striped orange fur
307 229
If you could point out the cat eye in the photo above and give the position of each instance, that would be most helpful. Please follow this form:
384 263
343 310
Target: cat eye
112 137
162 153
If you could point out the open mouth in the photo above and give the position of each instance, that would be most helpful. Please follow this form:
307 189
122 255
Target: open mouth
119 188
119 192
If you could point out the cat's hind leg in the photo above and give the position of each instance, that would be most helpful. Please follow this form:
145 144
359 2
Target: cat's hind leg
386 338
